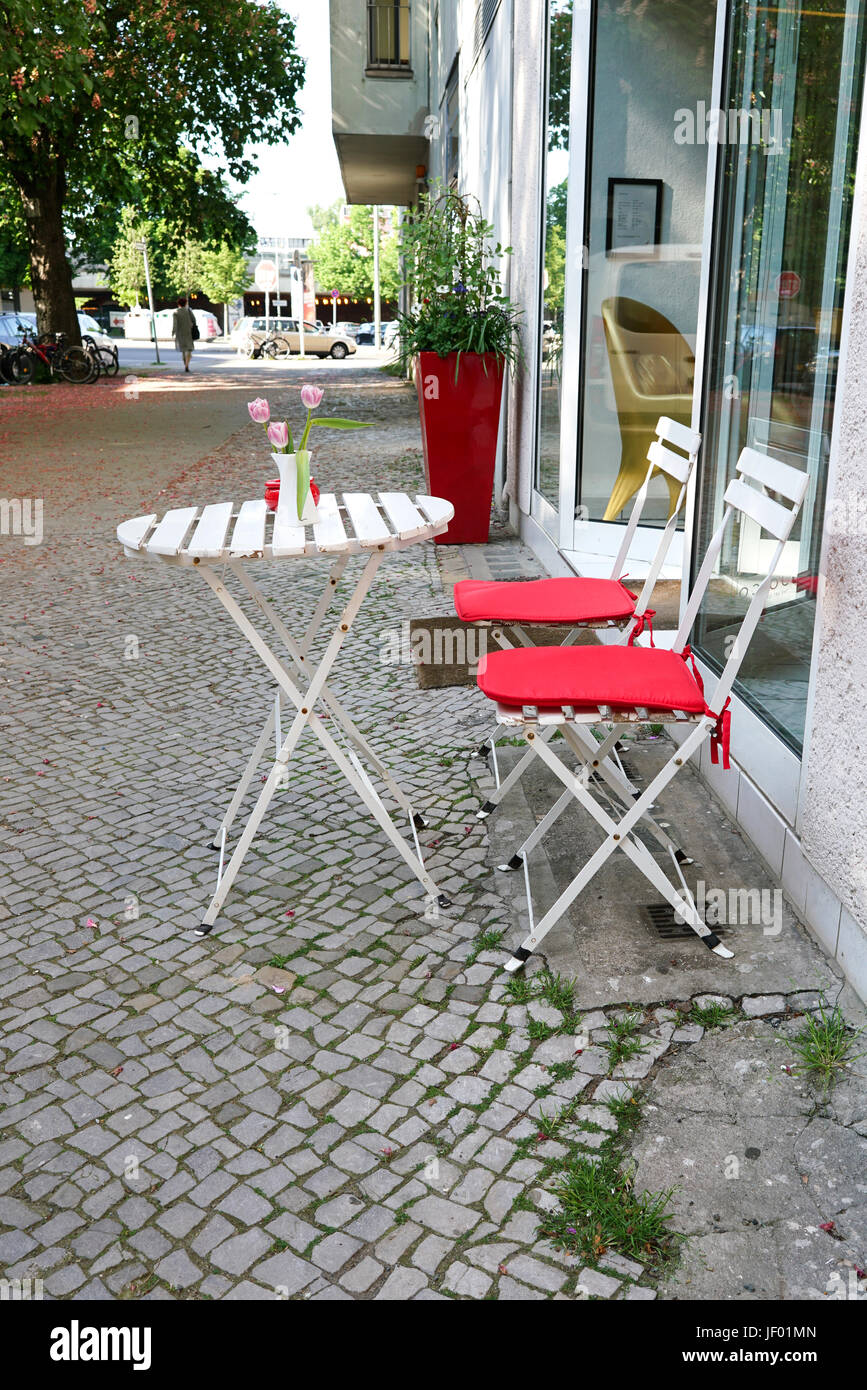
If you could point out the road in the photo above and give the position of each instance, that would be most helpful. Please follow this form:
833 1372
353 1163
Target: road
220 357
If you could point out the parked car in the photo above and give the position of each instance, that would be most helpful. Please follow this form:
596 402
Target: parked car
249 332
390 334
364 336
91 329
86 323
346 329
137 324
11 328
316 343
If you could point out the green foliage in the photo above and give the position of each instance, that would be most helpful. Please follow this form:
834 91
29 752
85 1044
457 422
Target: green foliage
343 254
453 274
560 61
178 266
185 268
712 1015
14 256
81 81
224 273
825 1045
555 251
600 1210
622 1042
126 263
104 104
325 217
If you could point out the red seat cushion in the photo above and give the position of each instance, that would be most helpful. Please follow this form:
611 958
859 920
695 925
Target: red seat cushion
585 677
542 600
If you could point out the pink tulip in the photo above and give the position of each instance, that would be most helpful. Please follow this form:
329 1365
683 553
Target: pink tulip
311 396
259 409
278 433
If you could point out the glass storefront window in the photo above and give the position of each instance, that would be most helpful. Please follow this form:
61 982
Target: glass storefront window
645 215
786 170
554 248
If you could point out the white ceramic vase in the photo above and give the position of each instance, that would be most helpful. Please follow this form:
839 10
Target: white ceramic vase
287 502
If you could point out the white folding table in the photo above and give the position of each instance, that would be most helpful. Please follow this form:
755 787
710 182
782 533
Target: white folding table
221 539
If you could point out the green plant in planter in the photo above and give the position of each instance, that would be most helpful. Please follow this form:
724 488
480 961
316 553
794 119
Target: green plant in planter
452 269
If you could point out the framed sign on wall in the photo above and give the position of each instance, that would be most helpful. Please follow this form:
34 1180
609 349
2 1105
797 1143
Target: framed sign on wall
634 216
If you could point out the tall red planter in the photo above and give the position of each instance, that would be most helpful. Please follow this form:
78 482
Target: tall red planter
460 422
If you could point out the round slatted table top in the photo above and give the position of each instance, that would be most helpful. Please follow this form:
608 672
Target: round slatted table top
221 531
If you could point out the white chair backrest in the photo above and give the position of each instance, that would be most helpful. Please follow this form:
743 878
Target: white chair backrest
676 465
771 476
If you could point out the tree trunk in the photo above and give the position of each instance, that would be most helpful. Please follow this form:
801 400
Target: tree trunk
50 275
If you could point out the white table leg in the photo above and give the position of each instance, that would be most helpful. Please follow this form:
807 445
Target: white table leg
298 654
304 702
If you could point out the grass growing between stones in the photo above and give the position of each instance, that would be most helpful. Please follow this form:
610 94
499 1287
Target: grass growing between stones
600 1210
550 987
622 1042
825 1045
712 1015
488 941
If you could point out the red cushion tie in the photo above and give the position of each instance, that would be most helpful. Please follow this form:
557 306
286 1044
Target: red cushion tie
720 738
721 735
688 657
643 620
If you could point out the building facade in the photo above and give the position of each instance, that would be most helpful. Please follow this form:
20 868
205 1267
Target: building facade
685 191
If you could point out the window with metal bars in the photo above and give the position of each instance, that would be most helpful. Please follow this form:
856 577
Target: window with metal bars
388 34
485 12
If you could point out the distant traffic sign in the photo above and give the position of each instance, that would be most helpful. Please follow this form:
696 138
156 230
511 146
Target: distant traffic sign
267 275
788 284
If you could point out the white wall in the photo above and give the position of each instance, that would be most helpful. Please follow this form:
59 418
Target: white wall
375 105
833 821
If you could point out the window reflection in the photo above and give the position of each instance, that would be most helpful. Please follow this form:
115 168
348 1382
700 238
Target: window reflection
784 218
554 251
646 215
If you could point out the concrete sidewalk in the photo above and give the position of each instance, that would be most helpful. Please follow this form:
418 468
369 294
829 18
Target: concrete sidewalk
332 1097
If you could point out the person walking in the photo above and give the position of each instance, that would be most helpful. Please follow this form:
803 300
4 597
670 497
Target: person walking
183 324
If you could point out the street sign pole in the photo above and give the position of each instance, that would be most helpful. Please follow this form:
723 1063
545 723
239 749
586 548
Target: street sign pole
333 308
143 247
296 279
301 353
268 279
377 308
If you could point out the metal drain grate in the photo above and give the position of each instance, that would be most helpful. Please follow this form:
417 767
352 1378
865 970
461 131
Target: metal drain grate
661 917
631 772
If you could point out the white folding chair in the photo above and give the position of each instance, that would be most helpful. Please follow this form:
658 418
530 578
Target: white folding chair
539 690
582 602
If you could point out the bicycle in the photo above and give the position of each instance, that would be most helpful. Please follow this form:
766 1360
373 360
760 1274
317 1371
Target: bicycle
16 367
72 364
104 358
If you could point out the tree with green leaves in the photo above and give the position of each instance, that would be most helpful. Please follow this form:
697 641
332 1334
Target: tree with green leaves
105 102
185 268
343 255
13 241
126 271
323 217
224 276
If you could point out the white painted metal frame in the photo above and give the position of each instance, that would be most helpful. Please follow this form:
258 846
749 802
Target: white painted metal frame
620 826
559 523
680 466
201 539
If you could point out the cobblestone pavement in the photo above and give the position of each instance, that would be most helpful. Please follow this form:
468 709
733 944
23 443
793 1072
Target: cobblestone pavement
331 1097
